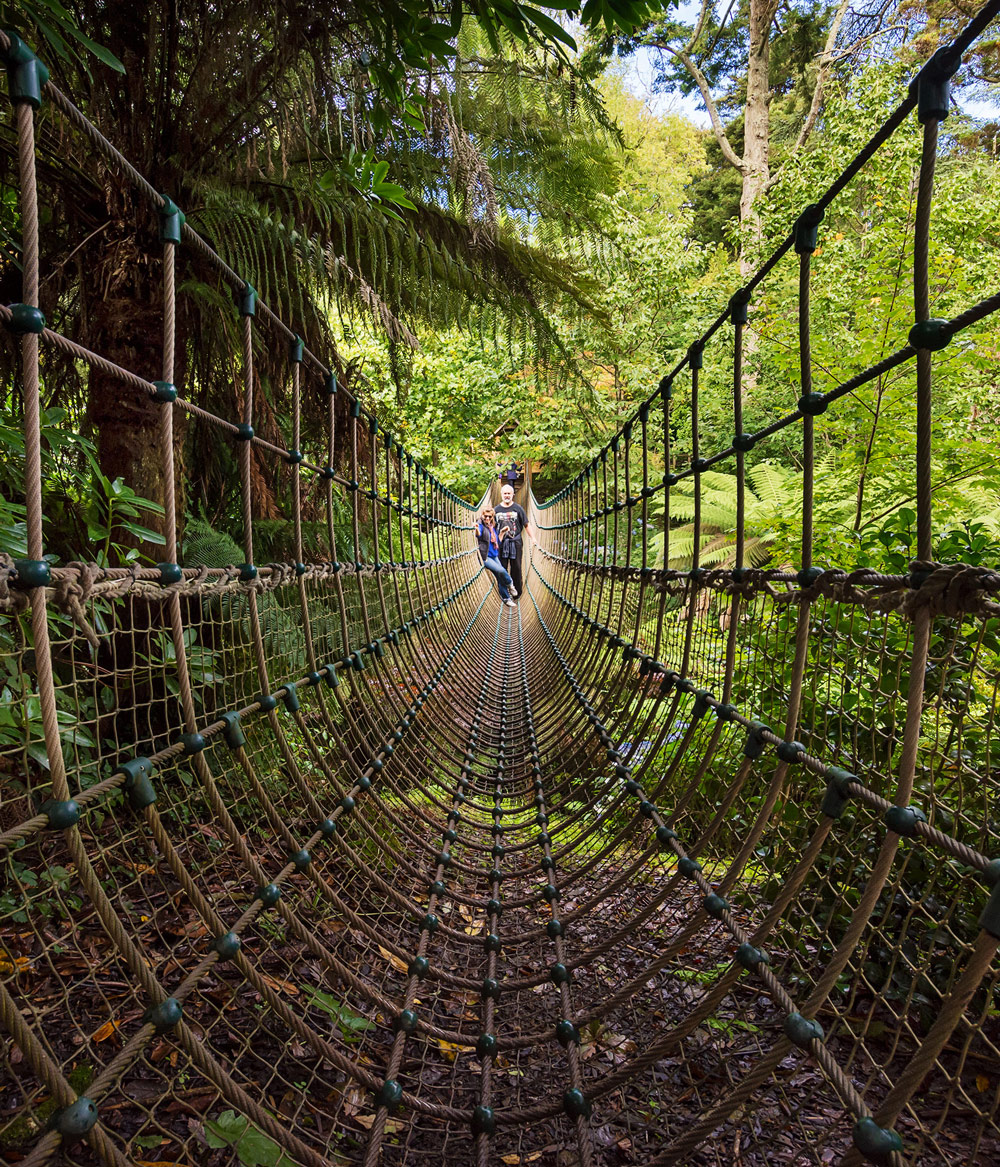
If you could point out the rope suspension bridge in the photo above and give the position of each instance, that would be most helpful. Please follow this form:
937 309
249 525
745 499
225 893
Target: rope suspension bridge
402 875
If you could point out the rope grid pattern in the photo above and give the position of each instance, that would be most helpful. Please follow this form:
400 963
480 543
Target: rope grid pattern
402 879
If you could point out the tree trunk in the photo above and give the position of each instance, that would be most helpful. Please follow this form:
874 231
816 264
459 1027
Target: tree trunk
756 126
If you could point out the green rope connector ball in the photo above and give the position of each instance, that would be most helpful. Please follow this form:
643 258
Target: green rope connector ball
715 905
567 1033
75 1120
248 572
166 1015
801 1030
269 894
227 945
749 957
170 573
664 836
575 1104
26 77
744 443
790 752
192 743
430 923
244 432
483 1121
812 404
61 815
903 820
165 392
875 1142
559 974
390 1096
490 989
486 1045
301 859
32 573
688 866
492 942
327 827
267 702
418 967
931 334
407 1021
553 929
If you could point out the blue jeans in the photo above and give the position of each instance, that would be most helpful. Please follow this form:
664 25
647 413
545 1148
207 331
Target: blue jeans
503 576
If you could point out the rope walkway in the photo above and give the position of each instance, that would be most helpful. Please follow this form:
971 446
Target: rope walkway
339 861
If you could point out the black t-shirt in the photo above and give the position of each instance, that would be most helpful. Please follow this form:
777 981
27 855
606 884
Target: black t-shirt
513 518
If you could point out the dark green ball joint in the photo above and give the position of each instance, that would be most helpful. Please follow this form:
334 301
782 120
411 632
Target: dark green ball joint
559 974
328 473
301 859
248 572
790 752
492 942
165 1016
575 1103
418 967
233 732
172 219
550 893
553 929
437 888
801 1030
247 300
347 804
494 908
812 404
430 923
227 945
738 304
293 457
755 743
26 77
646 809
244 432
138 785
664 835
61 815
165 392
744 443
483 1121
567 1033
688 867
903 820
191 743
748 957
75 1120
170 573
807 576
407 1021
314 677
32 573
806 229
267 702
726 712
269 894
715 905
486 1045
875 1142
390 1096
931 334
490 989
328 827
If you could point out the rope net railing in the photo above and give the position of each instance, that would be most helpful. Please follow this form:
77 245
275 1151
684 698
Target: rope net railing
337 860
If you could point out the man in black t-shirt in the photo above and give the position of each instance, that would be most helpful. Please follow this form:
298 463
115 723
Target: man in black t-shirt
511 521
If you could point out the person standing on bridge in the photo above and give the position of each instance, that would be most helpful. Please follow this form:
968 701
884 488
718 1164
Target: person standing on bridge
511 521
489 553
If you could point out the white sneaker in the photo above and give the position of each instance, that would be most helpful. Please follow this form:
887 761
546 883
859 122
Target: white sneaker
512 591
510 603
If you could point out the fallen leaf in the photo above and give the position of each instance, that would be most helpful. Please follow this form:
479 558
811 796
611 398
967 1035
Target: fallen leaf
278 986
449 1049
396 963
107 1030
982 1083
392 1125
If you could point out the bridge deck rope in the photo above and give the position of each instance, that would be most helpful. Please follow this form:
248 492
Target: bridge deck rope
337 860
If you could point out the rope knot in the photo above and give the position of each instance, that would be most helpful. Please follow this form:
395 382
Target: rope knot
951 589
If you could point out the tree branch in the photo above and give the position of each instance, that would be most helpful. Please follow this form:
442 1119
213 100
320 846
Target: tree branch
823 61
706 95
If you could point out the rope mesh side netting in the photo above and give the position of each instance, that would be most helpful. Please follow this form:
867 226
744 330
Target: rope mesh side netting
338 860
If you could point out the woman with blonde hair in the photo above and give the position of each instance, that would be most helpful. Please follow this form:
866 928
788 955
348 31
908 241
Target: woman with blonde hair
489 553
